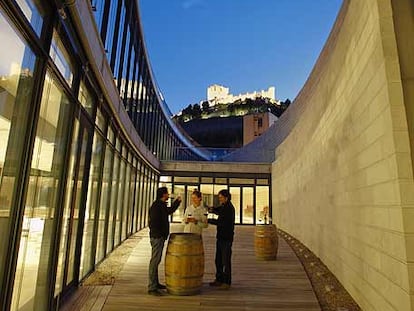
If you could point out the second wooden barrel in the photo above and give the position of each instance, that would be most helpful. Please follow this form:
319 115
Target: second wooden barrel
266 242
184 264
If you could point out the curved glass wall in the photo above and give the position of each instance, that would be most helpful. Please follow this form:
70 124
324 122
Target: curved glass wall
74 180
73 186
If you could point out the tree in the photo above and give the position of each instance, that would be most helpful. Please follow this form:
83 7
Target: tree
205 105
196 112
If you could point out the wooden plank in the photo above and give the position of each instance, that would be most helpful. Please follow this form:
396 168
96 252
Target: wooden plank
257 285
262 285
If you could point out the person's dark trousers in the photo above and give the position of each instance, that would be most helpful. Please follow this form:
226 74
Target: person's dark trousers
223 261
157 245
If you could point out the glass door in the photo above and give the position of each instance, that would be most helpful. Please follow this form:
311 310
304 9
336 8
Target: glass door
236 200
75 201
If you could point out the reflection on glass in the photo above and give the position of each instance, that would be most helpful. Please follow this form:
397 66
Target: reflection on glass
178 179
72 269
98 9
60 57
241 181
145 207
120 202
165 179
91 204
111 28
104 204
112 210
66 211
179 190
33 12
85 98
235 199
31 286
16 86
131 206
222 181
248 208
125 211
100 120
138 199
262 204
111 135
135 180
207 192
118 45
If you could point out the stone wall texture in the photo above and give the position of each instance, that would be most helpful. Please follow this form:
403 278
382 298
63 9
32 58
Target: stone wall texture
342 181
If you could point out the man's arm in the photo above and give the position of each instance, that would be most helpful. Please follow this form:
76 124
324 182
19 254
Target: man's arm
212 221
174 206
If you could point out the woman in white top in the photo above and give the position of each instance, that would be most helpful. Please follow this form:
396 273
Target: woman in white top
195 216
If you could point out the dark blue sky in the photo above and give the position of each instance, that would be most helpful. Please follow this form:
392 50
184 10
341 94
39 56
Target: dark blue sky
246 45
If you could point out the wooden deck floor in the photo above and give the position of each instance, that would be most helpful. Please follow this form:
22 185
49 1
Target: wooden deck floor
257 285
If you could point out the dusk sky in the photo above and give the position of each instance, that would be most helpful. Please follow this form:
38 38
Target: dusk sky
246 45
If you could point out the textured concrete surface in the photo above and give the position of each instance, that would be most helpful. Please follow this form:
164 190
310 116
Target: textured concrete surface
343 176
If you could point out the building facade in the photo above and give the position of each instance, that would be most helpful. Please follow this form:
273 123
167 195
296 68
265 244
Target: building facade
254 125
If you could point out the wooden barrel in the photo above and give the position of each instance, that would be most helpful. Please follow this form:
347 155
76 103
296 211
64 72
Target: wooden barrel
266 242
184 264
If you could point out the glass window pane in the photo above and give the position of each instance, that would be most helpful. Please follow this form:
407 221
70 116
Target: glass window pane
114 203
118 144
131 205
103 209
111 135
221 181
38 223
98 9
91 204
125 210
241 181
145 208
86 99
262 182
78 187
100 120
33 12
262 204
111 27
120 203
60 57
248 208
137 206
118 45
165 179
235 199
70 181
140 199
17 63
178 179
207 180
179 190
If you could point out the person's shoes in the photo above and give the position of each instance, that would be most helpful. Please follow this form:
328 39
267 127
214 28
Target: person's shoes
156 292
224 286
161 286
215 283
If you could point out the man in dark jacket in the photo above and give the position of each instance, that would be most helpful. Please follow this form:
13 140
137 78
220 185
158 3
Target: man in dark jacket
225 233
159 231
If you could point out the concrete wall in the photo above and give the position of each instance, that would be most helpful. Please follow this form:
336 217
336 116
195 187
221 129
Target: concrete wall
343 176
